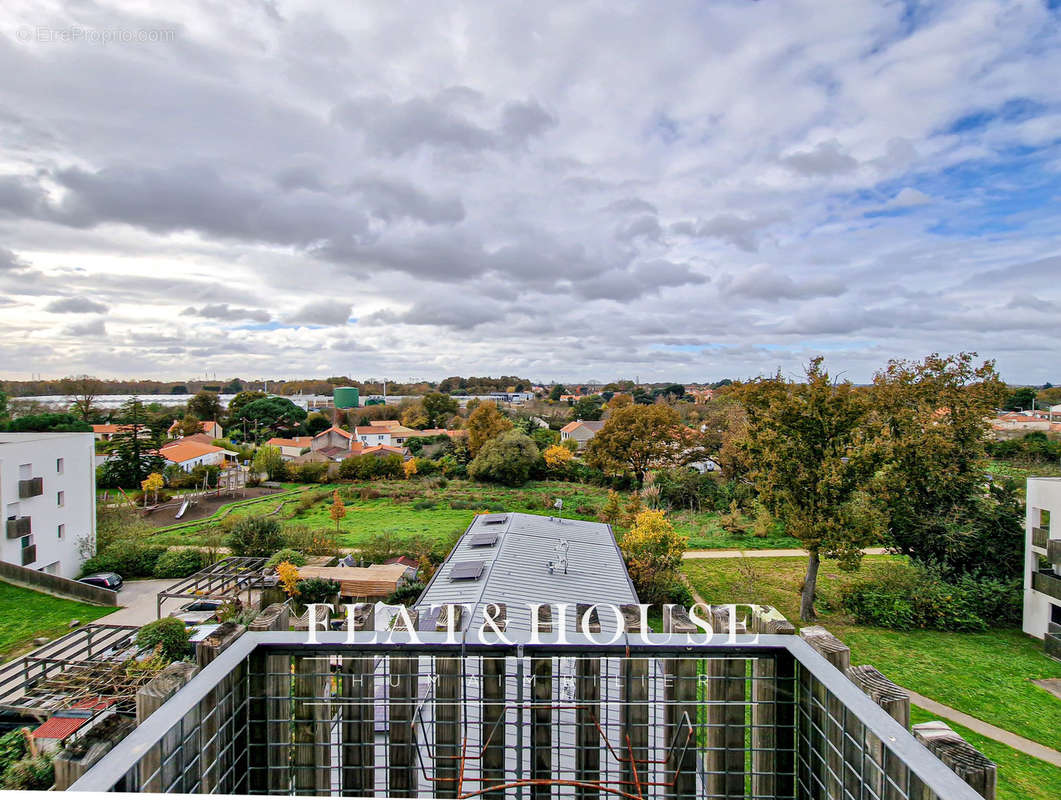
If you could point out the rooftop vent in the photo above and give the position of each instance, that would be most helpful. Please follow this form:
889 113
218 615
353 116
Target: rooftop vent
483 539
466 571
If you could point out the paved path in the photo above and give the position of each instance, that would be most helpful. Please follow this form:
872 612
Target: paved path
138 601
985 729
688 554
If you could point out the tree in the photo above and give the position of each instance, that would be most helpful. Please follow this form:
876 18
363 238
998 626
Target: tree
589 408
206 406
65 423
152 483
337 510
236 404
556 392
612 511
636 438
316 423
288 574
415 416
439 408
653 551
83 391
189 426
557 457
269 460
272 416
484 424
813 450
507 459
255 536
618 401
409 468
1022 398
935 413
134 448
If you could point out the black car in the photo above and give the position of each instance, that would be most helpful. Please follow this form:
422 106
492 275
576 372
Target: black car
104 580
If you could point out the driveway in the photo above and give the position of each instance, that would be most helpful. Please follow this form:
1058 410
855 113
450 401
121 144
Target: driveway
138 599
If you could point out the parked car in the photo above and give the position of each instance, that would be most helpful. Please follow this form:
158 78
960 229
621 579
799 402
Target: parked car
197 611
104 580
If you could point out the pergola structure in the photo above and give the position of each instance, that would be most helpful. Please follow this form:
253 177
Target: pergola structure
87 662
222 580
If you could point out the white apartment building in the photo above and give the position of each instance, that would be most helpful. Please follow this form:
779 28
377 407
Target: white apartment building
1042 562
48 492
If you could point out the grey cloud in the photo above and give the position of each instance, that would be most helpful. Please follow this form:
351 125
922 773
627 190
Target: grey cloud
1026 272
456 313
646 226
75 305
765 283
644 279
322 312
632 205
741 232
96 327
1031 302
225 312
826 159
399 127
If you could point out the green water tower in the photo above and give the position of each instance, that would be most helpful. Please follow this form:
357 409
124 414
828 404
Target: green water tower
346 397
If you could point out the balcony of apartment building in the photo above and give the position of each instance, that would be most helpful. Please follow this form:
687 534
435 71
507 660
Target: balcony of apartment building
646 716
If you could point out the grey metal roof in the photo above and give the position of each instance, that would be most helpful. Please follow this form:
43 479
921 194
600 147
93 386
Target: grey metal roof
516 571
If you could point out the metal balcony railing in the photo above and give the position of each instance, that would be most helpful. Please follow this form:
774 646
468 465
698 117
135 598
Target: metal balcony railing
30 487
17 527
747 718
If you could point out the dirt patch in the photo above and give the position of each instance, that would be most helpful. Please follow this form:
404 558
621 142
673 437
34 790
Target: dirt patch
203 507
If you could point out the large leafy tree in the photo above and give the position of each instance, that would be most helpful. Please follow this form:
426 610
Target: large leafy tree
206 406
590 408
49 422
272 416
636 438
935 413
438 407
813 449
507 459
485 423
237 403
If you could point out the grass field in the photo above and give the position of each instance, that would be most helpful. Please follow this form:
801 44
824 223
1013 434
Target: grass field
1021 472
409 509
987 675
25 615
1020 776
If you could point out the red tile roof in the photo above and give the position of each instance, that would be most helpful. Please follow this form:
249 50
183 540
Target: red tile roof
337 430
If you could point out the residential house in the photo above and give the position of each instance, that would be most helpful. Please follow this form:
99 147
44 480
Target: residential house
209 427
106 432
399 434
699 394
1022 422
1042 562
290 448
412 566
381 450
189 455
372 435
581 430
48 492
373 582
335 443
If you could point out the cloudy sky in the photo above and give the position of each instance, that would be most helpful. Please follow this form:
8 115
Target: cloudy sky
683 190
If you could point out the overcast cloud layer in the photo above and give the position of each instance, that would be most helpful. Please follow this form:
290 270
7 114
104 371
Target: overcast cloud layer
680 190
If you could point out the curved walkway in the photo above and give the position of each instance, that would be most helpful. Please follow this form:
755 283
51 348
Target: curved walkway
688 554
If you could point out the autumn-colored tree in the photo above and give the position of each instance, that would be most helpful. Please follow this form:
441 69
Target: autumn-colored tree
813 448
152 483
636 438
619 401
189 426
633 507
485 423
337 510
409 468
653 552
415 416
288 574
557 457
612 510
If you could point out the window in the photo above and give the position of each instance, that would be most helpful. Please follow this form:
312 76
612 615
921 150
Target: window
62 531
60 499
25 472
27 541
59 466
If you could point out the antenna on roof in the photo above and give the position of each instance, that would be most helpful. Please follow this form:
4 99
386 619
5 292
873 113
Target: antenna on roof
560 562
559 506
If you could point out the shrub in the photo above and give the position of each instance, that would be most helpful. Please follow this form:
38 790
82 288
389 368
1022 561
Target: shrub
506 459
424 505
406 595
321 542
130 559
12 748
30 773
912 597
369 494
255 536
316 590
179 563
653 552
288 555
170 634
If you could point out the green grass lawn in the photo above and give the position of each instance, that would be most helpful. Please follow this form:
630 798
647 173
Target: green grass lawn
1021 472
987 675
1020 776
25 615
